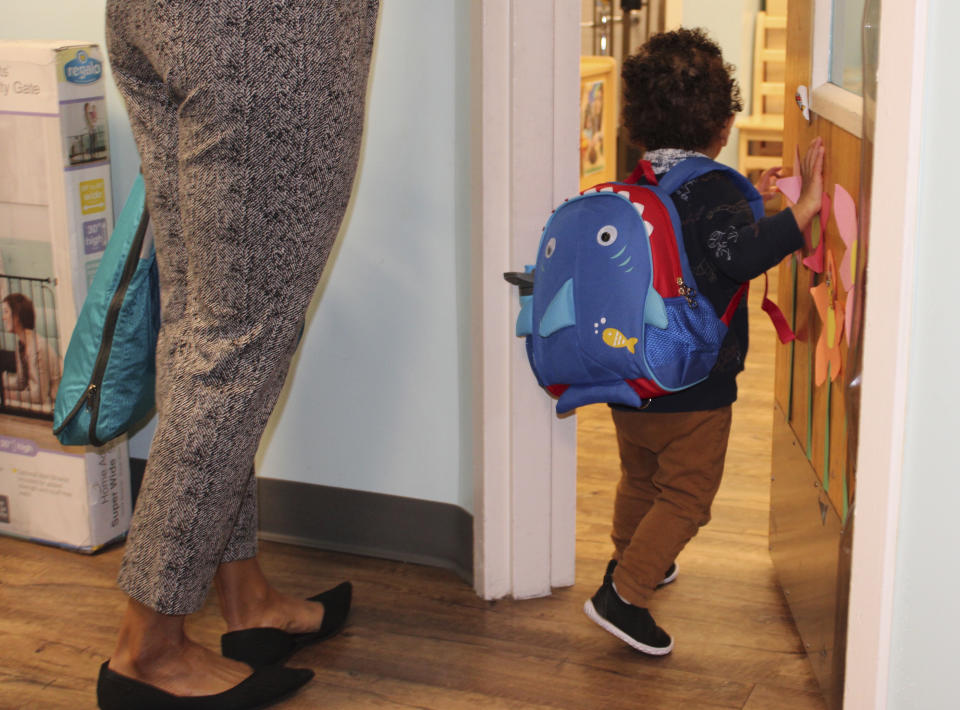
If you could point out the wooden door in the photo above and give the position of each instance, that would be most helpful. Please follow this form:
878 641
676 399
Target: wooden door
812 481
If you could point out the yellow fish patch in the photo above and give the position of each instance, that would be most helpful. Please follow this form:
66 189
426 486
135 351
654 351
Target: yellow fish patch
615 339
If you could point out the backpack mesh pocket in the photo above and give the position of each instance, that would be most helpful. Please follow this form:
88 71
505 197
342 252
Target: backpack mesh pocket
684 353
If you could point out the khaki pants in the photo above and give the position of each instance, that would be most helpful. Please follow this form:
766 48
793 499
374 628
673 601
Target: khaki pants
671 467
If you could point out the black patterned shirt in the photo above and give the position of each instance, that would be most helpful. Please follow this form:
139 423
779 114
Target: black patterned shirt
726 246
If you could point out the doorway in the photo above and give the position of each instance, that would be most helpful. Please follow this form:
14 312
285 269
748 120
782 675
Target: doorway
729 559
502 499
808 516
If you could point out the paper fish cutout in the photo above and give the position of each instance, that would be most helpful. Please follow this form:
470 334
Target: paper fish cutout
791 187
817 236
802 98
827 298
615 339
845 214
817 240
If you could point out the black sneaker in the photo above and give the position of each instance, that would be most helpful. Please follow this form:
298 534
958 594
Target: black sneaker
631 624
608 575
669 576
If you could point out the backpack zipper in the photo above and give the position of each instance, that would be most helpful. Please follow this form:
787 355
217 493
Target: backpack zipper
91 396
687 292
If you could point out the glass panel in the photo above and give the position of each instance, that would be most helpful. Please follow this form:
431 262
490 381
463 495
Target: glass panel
846 68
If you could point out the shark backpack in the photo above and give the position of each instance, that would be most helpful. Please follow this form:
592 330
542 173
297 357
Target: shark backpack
611 311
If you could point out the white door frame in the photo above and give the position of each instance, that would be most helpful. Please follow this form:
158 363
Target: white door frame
525 87
887 325
525 92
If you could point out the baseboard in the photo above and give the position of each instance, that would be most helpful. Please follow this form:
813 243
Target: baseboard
364 523
360 523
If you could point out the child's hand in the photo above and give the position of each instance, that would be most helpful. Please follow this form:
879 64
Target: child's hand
811 196
767 184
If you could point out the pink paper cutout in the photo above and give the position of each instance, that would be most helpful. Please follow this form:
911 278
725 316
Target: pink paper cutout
845 214
814 262
824 210
791 187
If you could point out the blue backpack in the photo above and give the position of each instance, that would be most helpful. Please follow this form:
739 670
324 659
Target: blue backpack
611 312
110 367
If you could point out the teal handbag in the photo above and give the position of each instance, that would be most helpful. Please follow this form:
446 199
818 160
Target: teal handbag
109 370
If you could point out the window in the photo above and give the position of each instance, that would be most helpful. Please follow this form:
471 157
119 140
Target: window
846 42
837 82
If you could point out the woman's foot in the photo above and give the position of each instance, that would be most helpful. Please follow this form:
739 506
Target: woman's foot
262 689
262 646
247 601
152 648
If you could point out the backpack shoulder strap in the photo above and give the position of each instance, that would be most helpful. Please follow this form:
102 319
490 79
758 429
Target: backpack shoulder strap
692 168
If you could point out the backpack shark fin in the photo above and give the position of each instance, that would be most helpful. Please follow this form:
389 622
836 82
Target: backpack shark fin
654 310
560 312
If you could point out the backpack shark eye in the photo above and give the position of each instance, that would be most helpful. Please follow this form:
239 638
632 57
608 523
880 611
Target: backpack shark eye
607 235
550 248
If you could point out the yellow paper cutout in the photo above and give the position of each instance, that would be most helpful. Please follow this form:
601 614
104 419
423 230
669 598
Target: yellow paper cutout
827 299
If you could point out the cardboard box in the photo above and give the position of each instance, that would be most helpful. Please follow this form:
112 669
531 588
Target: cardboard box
55 218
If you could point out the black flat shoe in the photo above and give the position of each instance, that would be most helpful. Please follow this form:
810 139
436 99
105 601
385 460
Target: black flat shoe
266 646
262 689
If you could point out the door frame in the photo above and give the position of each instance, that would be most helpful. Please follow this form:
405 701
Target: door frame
887 325
525 60
525 495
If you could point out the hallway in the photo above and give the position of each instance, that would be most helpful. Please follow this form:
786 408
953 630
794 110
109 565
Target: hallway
420 638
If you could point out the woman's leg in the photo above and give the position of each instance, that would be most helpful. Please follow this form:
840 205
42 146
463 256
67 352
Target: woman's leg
247 599
152 647
269 103
254 176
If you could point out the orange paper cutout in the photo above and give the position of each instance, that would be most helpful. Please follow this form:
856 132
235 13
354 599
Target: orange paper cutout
829 305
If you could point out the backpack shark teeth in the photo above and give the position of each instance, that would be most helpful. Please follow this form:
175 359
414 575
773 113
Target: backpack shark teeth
638 206
649 227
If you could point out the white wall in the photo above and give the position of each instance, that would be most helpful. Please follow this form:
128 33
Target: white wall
927 592
731 24
379 396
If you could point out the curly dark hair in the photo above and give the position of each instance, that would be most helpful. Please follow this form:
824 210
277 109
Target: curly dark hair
22 310
678 91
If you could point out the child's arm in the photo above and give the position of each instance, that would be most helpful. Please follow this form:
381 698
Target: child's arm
767 184
811 196
741 247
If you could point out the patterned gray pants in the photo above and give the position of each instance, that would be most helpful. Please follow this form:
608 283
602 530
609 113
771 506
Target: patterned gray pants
247 116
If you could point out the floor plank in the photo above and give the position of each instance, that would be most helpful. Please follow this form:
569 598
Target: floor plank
420 638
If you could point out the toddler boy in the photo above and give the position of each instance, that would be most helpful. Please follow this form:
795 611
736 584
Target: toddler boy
680 99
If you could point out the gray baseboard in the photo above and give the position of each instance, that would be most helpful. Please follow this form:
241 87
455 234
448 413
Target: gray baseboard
364 523
361 523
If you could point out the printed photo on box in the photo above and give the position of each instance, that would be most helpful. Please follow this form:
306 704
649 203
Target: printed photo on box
85 131
30 358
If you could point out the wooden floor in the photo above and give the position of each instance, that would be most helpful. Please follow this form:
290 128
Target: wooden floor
420 638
